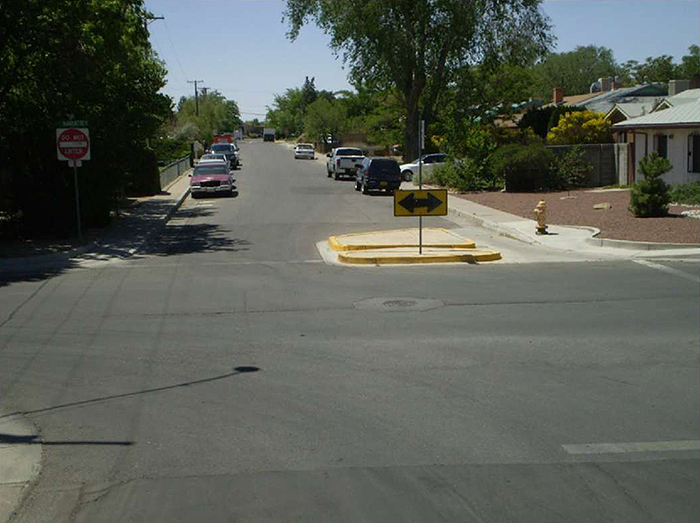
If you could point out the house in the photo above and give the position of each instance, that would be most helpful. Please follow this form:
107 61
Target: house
673 131
633 107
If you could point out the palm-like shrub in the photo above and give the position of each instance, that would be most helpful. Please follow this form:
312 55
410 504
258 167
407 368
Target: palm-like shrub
650 196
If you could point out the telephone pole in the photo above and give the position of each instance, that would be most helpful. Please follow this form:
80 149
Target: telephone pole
148 18
196 94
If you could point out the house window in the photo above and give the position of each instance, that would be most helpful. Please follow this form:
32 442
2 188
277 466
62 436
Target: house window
694 153
661 145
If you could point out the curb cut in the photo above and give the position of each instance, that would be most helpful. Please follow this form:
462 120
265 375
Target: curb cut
493 226
20 464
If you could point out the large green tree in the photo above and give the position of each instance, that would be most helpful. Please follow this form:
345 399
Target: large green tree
573 71
415 47
86 59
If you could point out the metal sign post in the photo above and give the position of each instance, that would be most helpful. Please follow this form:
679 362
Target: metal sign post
421 146
73 146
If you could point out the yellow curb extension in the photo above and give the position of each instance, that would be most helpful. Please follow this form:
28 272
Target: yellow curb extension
336 243
397 259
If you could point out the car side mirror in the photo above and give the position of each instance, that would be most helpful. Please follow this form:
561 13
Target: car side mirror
190 175
328 155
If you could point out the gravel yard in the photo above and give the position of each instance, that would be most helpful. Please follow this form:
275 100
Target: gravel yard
615 223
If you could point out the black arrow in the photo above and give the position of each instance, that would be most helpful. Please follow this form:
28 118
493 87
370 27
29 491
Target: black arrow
410 202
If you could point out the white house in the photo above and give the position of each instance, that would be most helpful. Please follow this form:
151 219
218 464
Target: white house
671 131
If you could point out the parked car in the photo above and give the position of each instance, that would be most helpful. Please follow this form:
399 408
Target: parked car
211 157
304 150
343 161
211 178
228 150
378 173
430 161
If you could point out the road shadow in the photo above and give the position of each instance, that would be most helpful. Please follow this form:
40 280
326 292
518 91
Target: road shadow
245 369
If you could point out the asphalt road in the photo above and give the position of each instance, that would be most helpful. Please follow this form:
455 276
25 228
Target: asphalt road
227 374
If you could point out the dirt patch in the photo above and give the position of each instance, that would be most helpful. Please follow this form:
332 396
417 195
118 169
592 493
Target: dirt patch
615 222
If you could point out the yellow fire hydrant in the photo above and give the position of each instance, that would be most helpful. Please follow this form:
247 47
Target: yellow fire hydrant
541 217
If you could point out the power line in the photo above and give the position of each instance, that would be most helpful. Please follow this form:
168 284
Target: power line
177 57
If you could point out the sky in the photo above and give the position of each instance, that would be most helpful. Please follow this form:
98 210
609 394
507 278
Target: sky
240 47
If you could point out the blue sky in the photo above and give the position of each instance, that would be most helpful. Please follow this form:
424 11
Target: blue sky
239 47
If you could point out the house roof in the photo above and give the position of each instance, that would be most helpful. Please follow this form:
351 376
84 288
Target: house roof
684 97
632 109
683 115
603 102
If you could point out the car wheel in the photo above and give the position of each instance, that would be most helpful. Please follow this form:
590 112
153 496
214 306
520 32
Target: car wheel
336 176
407 175
365 190
357 185
195 195
328 172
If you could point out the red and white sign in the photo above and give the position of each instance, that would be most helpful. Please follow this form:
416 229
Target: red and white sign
73 143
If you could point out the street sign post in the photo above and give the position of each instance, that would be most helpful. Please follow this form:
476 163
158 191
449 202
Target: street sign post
73 146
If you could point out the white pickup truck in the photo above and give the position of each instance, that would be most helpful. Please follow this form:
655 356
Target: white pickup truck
343 161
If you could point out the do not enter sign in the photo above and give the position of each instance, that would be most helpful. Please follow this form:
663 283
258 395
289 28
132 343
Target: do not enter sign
73 143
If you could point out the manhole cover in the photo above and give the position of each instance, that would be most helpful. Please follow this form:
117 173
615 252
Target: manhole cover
398 304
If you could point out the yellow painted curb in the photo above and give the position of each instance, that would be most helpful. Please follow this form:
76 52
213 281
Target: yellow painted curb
386 259
339 246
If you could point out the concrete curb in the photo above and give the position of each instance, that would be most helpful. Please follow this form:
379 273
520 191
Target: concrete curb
20 463
163 222
639 246
337 245
387 259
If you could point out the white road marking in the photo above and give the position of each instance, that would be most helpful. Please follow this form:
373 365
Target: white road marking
643 446
669 270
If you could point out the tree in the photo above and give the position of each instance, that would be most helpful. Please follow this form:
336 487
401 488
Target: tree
287 113
573 71
90 60
690 63
650 196
324 118
580 127
416 46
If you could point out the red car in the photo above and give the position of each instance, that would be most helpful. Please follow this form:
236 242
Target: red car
211 178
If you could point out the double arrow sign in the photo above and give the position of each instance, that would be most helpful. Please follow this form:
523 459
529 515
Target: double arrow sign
420 203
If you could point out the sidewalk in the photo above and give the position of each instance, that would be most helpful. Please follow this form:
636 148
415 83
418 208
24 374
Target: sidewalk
123 238
20 462
576 239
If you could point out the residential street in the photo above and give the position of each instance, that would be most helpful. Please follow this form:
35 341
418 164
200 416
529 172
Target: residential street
226 373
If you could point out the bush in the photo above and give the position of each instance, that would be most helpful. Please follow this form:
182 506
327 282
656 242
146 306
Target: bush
569 171
650 196
580 127
463 175
542 119
688 194
523 168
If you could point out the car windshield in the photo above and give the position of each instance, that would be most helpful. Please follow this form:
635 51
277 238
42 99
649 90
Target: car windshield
305 146
349 152
210 169
213 157
221 148
384 165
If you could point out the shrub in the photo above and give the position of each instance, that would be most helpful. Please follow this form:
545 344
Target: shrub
650 196
464 175
541 120
569 171
523 168
580 127
688 193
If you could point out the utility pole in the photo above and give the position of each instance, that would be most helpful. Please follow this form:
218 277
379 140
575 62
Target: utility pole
149 18
196 94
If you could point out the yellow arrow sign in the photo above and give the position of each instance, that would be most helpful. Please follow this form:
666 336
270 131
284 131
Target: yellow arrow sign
431 202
